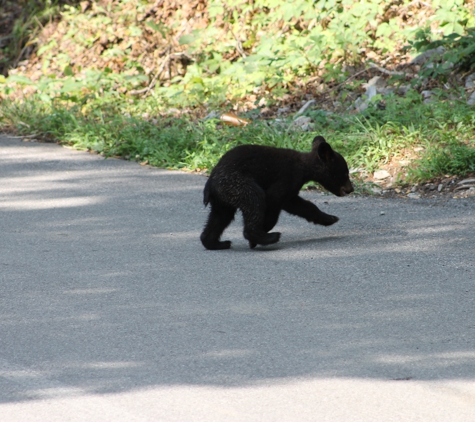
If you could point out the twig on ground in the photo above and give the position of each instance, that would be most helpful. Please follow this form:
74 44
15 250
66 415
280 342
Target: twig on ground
385 71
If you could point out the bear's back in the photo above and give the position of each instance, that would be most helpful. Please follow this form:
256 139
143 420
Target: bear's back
264 164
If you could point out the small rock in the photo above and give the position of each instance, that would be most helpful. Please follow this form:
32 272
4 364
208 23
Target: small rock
371 91
363 102
470 81
463 187
283 110
428 96
360 104
377 191
304 122
381 174
382 213
212 115
376 81
466 182
304 108
403 89
440 187
413 195
427 55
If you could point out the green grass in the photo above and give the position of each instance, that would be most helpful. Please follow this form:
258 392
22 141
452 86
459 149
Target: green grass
450 159
444 129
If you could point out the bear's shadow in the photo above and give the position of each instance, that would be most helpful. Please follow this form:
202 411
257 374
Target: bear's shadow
239 246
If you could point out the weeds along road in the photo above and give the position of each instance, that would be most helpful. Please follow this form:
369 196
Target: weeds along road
111 309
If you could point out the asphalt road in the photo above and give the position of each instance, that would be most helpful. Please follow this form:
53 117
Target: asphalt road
111 309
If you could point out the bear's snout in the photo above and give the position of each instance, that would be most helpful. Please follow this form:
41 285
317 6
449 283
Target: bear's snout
347 189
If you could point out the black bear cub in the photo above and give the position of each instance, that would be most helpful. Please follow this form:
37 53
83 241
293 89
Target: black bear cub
262 181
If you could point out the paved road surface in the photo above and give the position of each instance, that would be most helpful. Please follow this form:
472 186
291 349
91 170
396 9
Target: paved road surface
111 310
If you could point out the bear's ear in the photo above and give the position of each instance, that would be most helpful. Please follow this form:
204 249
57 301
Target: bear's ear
317 141
323 148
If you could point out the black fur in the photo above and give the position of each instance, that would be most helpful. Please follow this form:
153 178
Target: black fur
262 181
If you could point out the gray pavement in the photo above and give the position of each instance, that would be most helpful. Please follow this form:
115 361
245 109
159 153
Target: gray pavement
111 309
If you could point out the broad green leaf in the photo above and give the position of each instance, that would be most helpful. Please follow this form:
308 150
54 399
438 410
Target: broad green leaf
20 79
159 28
70 85
186 39
68 71
197 80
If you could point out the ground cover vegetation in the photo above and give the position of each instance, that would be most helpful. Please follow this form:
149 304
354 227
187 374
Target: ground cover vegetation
388 82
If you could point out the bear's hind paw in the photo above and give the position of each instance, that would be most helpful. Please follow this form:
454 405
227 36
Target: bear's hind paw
265 239
217 246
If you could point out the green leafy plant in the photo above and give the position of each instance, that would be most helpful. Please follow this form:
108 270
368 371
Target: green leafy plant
259 49
458 52
451 159
457 44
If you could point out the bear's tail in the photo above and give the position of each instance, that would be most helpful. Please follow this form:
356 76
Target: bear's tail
206 194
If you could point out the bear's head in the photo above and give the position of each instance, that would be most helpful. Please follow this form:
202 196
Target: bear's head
333 172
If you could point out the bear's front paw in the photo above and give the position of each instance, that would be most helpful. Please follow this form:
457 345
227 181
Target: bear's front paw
327 220
225 245
273 237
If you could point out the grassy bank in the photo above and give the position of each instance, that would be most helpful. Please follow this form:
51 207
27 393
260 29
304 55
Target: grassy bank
414 140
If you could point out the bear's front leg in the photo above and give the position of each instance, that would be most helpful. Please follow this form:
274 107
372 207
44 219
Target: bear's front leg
305 209
271 217
255 235
254 222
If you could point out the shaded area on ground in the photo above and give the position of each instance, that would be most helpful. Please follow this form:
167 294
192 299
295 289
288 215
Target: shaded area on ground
106 287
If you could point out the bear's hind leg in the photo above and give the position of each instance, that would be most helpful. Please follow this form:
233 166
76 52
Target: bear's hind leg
253 208
219 218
